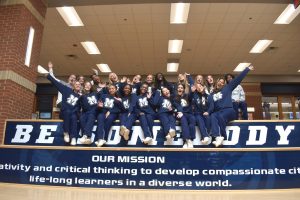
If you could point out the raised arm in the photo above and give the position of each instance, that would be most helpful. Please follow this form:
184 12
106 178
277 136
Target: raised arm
60 87
50 66
190 79
237 80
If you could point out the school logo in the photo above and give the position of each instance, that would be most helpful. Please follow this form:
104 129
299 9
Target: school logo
203 101
217 96
92 100
72 100
133 91
126 104
109 103
183 103
143 102
167 104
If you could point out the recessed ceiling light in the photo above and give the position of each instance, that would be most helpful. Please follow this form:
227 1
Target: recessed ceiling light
288 15
90 47
42 70
179 13
260 46
104 68
70 16
172 67
299 70
175 46
241 67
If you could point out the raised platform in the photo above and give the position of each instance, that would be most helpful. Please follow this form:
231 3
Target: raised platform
240 134
261 155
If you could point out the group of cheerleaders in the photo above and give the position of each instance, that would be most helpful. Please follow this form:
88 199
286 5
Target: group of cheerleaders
192 102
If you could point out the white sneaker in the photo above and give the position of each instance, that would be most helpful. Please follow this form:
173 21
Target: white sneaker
85 140
185 146
88 141
122 130
205 140
147 140
168 137
73 141
100 143
190 144
172 132
219 141
66 137
126 134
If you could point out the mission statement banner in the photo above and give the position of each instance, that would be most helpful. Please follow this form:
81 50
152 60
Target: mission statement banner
180 170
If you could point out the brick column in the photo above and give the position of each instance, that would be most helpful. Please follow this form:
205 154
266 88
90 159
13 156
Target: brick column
17 81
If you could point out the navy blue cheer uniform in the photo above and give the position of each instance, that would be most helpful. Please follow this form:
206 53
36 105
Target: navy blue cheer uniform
89 106
162 85
223 108
146 114
136 88
119 86
202 103
187 121
69 108
114 107
128 114
165 112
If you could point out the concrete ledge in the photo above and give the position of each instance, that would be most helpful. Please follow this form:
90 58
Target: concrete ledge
28 5
11 75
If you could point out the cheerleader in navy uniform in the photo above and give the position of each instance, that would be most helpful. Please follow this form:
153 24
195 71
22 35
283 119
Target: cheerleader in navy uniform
182 79
223 108
128 115
88 103
110 106
136 84
98 86
161 82
209 84
185 115
165 112
151 86
114 80
145 112
203 107
70 107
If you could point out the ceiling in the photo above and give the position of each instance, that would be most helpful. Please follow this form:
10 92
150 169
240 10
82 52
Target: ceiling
133 39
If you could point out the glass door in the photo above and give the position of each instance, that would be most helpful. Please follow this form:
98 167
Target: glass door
297 107
270 108
286 107
281 107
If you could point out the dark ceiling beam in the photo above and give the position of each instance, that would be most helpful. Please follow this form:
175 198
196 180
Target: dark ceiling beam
58 3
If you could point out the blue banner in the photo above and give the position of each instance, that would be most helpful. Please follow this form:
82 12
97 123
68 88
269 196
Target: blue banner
151 169
248 134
